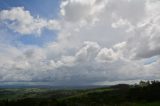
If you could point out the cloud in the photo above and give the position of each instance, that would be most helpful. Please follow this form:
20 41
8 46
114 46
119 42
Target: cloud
20 20
97 41
83 10
106 55
88 52
144 42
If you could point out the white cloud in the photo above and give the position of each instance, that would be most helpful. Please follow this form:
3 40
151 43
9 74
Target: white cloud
88 52
144 42
106 55
82 12
20 20
98 40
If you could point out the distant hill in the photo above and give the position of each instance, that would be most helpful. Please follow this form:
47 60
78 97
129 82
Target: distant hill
142 94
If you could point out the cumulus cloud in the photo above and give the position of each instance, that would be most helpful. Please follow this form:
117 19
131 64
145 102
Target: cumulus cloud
98 40
144 42
106 55
88 52
83 10
20 20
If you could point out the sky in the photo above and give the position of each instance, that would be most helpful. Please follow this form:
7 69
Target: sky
79 42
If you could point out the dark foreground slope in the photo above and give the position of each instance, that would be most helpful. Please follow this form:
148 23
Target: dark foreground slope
144 94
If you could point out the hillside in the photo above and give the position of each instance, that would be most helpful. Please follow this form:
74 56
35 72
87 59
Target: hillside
144 94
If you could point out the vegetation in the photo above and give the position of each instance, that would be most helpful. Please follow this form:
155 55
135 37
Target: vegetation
142 94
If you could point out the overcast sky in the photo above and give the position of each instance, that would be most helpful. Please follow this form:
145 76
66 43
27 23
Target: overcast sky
79 41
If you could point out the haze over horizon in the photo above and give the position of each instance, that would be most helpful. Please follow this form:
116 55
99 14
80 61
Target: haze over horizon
79 42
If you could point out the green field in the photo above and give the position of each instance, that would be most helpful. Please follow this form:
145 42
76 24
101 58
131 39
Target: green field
118 95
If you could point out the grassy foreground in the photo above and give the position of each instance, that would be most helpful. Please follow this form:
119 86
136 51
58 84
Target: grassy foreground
144 94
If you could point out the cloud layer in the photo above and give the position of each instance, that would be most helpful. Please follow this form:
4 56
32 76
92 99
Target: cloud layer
97 41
